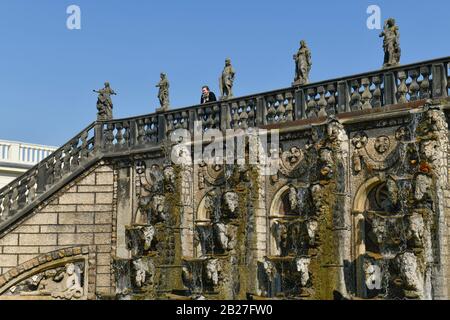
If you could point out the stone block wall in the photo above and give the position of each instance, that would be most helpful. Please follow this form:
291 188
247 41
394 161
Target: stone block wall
80 215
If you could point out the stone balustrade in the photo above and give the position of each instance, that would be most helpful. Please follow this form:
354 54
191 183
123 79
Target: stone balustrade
372 90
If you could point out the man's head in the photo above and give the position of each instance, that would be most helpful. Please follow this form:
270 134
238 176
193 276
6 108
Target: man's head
205 89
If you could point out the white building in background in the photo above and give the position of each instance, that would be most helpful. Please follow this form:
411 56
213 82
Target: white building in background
17 157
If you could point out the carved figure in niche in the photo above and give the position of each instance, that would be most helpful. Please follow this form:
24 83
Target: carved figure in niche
303 268
169 177
158 211
280 234
326 159
411 275
149 233
269 269
382 144
212 271
311 226
391 43
104 103
221 232
303 64
422 187
416 228
429 150
140 273
391 202
73 289
227 80
231 200
293 198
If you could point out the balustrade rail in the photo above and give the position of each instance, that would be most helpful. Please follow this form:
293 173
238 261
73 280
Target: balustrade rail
366 91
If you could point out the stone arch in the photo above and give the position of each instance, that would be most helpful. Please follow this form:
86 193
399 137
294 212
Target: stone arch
276 213
360 203
44 263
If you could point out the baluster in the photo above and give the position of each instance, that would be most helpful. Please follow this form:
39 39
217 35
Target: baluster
154 130
367 95
119 135
414 87
289 107
201 116
66 159
243 117
126 134
271 111
331 101
31 186
109 136
216 116
141 134
14 203
425 83
251 114
311 105
355 100
6 203
84 153
184 120
170 123
376 101
235 112
75 153
322 104
402 88
281 109
57 167
208 123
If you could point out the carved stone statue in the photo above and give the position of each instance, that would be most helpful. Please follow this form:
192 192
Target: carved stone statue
227 81
104 103
212 271
391 43
231 200
303 268
163 94
303 64
73 289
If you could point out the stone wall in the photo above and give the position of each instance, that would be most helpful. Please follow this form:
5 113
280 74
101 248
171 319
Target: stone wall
80 215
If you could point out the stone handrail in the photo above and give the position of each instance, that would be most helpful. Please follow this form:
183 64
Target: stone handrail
398 85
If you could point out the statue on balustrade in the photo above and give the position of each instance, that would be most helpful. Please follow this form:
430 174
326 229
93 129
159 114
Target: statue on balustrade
391 44
163 94
227 80
303 64
104 103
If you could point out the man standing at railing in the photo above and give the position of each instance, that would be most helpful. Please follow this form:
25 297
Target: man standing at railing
104 103
207 95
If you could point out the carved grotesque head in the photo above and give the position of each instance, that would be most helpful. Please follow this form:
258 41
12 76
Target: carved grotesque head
169 174
360 140
212 271
231 201
429 150
303 268
382 144
423 186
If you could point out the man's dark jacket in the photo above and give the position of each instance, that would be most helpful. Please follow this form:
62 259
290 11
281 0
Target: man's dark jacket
211 98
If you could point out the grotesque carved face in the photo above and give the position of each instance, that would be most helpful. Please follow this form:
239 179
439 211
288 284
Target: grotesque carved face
428 149
360 140
423 185
231 201
382 144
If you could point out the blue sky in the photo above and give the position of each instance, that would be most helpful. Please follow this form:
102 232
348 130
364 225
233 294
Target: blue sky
47 72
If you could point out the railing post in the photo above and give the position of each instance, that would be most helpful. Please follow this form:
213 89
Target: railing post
343 97
261 112
162 127
224 117
439 81
192 114
300 104
41 179
98 139
133 134
390 89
